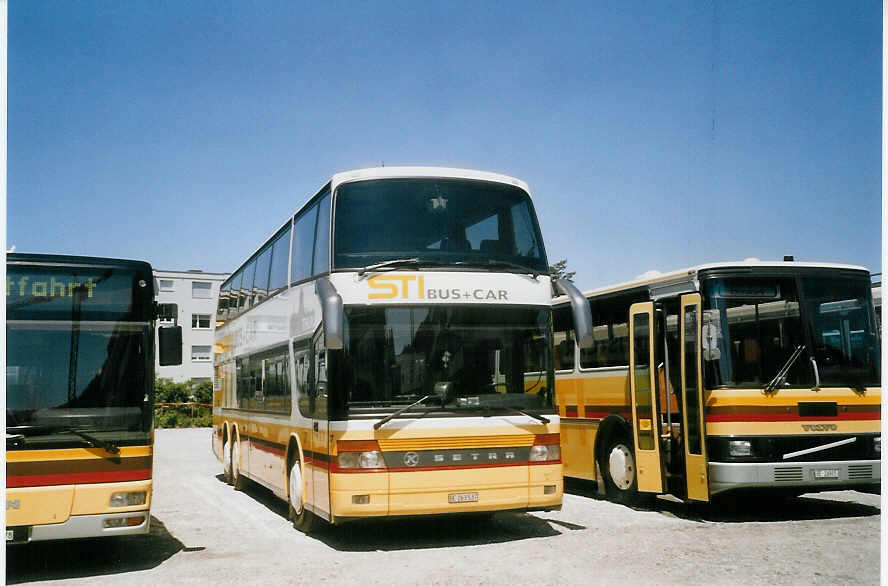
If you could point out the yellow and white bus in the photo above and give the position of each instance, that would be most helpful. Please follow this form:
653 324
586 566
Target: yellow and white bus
372 355
79 396
749 375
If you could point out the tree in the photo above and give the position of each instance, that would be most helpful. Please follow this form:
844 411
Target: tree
559 271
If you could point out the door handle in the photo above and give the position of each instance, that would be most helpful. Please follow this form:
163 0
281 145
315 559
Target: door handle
314 426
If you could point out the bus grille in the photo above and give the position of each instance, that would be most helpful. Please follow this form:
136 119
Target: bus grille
793 474
860 472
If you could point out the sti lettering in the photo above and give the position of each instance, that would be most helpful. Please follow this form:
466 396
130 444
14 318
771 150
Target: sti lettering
394 286
51 288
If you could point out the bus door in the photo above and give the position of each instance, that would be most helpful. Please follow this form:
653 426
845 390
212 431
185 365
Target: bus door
693 427
642 386
320 480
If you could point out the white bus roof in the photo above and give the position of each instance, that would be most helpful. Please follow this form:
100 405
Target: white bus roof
663 280
407 172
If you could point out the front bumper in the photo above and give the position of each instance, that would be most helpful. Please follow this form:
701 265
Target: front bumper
834 475
80 526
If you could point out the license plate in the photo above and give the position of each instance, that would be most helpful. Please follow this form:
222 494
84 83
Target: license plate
462 497
9 535
826 473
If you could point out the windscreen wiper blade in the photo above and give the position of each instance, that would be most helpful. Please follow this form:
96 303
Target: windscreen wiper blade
536 416
781 374
388 418
398 262
95 442
492 264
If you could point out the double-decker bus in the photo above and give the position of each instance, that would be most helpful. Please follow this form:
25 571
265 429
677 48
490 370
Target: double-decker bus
79 396
387 351
749 375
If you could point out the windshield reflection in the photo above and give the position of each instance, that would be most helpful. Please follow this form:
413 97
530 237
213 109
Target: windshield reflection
486 357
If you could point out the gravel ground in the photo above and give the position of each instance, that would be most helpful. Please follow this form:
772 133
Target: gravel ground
203 532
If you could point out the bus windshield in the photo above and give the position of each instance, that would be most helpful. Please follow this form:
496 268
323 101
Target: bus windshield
753 326
487 358
444 221
77 348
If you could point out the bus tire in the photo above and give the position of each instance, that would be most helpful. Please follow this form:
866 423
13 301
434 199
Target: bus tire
619 471
226 460
300 516
237 479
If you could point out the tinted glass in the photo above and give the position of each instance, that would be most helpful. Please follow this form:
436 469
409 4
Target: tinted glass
441 220
691 349
260 281
279 256
497 359
303 245
643 391
322 241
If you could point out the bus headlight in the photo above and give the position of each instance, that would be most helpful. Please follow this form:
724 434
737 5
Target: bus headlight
359 455
739 448
545 453
128 499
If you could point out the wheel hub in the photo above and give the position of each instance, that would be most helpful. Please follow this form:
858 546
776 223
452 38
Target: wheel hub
621 466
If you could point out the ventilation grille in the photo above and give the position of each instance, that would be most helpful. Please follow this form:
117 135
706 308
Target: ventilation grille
860 471
793 474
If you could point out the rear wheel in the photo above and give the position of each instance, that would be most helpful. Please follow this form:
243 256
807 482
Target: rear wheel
226 461
302 519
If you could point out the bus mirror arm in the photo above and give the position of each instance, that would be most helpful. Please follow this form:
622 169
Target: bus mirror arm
331 310
582 315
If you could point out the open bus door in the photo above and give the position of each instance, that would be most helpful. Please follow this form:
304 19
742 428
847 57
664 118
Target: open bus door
693 426
642 386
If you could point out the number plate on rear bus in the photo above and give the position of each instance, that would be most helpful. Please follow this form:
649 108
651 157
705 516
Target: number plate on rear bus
826 473
462 497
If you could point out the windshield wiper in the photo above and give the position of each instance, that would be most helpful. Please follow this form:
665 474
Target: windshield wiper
781 374
398 262
388 418
492 264
28 430
95 442
536 416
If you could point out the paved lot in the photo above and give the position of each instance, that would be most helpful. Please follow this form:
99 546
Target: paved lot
203 532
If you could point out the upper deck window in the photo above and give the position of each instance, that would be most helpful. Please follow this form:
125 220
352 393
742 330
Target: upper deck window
447 221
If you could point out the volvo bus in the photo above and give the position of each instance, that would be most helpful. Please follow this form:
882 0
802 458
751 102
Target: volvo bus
79 396
724 377
387 352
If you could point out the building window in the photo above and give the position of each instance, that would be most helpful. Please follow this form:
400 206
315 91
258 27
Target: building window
169 319
200 321
201 290
201 353
166 284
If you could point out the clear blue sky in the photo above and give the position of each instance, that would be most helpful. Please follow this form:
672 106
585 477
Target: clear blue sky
184 133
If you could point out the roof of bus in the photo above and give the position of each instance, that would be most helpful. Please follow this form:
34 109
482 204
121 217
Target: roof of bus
406 172
654 277
66 259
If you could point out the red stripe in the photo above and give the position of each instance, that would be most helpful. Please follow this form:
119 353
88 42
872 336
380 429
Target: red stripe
77 478
263 447
741 417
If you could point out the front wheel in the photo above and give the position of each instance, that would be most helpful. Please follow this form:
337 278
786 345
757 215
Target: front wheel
618 469
302 519
226 462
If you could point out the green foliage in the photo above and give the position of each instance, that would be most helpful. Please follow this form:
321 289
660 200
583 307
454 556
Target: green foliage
182 415
559 270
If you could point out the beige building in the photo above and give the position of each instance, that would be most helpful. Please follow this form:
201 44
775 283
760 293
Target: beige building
195 294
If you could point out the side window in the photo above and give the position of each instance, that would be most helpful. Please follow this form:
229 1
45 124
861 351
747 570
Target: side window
301 363
303 245
260 282
222 307
246 289
280 254
319 378
275 380
610 318
322 241
562 325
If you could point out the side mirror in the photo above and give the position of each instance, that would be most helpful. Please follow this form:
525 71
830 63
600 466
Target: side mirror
169 345
332 313
582 314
